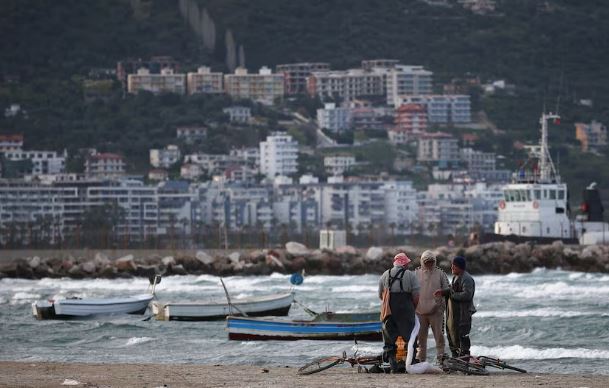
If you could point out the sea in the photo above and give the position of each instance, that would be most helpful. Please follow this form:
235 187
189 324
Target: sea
546 321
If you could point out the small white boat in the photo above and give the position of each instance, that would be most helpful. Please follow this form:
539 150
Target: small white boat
83 308
275 304
90 307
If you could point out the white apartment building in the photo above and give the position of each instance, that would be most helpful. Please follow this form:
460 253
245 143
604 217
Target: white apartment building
205 81
43 162
478 162
347 84
333 118
441 108
438 147
166 157
263 87
238 114
191 134
407 80
401 207
165 82
338 164
105 164
250 155
296 74
278 155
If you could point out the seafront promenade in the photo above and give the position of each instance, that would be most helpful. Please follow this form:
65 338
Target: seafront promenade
491 258
43 374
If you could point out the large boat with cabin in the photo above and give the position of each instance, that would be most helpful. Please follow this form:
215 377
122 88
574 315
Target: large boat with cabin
535 205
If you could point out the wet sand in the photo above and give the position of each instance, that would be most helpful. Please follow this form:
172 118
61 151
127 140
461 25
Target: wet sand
47 374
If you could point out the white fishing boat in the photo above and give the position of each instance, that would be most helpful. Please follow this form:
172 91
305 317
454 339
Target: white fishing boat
83 308
275 304
535 206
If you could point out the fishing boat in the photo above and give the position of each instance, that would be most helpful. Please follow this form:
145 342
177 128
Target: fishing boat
263 329
83 308
535 205
274 305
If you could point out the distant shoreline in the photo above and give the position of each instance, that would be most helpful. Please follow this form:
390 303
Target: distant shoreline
36 374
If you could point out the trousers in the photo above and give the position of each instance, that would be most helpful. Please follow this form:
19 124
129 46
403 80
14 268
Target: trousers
436 322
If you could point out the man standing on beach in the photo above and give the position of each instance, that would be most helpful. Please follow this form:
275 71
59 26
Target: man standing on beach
403 291
460 307
431 308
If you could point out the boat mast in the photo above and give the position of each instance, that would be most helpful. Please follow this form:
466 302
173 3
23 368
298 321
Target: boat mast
547 172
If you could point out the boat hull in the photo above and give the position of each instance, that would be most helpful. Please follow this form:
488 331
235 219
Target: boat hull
251 329
272 305
89 308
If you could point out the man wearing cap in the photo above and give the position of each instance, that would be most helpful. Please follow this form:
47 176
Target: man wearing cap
403 289
460 307
431 308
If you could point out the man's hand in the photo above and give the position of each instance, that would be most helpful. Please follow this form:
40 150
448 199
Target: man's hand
437 293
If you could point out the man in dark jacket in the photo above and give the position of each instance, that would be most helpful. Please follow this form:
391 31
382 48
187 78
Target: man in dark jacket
460 308
403 287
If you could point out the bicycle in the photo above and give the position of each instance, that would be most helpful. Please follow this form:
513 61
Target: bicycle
464 365
323 363
497 363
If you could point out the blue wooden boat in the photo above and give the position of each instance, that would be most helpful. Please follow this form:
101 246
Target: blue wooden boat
262 329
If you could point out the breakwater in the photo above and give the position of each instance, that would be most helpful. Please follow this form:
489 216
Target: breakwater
492 258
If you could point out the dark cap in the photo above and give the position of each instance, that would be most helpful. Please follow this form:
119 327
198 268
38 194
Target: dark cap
459 261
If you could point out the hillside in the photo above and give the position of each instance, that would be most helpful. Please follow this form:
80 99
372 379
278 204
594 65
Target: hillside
552 51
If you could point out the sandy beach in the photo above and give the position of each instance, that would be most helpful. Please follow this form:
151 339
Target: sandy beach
43 374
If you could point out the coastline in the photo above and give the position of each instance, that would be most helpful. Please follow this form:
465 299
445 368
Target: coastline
37 374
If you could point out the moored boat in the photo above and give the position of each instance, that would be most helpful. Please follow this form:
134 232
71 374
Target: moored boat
274 305
263 329
76 308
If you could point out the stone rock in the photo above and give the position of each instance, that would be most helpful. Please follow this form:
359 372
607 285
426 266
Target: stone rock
274 262
67 264
178 269
168 261
101 260
346 250
234 257
88 267
374 253
75 272
125 263
204 258
296 249
34 262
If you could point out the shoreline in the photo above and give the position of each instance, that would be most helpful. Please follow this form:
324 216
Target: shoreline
36 374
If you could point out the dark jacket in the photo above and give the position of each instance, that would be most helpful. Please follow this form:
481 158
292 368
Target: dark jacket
460 307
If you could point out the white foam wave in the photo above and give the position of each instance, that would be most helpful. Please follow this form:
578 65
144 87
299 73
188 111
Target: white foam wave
356 289
138 340
518 352
540 312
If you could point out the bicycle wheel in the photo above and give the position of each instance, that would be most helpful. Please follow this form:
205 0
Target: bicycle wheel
496 363
319 364
457 365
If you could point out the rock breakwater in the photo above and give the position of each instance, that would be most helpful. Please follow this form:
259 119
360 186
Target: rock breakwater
498 258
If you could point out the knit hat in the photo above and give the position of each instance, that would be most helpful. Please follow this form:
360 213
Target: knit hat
401 259
459 261
428 256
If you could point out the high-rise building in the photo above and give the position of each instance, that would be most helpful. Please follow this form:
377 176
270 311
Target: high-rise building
278 155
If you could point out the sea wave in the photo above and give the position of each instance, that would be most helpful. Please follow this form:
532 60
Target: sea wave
540 312
138 340
518 352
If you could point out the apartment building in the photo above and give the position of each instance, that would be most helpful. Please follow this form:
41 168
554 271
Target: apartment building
10 143
410 121
165 82
205 81
591 136
338 164
407 80
369 64
39 162
154 66
438 147
296 74
346 84
191 134
105 165
263 87
165 157
333 118
278 155
441 109
238 114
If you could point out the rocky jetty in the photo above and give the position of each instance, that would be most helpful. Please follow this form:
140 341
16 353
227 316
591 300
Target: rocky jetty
492 258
